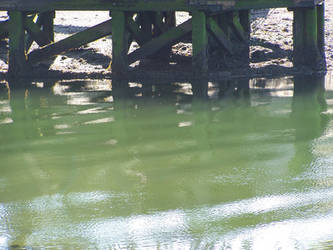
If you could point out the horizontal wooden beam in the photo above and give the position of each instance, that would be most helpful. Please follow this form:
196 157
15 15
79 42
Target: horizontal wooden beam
75 41
150 5
171 36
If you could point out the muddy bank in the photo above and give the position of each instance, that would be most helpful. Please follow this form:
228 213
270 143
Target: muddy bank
270 50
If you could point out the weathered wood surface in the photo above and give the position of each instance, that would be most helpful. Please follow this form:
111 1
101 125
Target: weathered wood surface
72 42
17 57
150 5
153 46
308 36
214 22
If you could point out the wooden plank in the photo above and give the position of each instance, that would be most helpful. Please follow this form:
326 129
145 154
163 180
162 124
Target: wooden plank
171 36
119 44
219 35
150 5
17 64
199 43
72 42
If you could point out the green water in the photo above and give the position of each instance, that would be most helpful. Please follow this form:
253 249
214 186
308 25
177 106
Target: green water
247 166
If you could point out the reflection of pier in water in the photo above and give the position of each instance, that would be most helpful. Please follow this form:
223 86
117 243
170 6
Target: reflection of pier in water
161 126
201 113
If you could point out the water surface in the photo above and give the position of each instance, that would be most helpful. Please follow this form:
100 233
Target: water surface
238 165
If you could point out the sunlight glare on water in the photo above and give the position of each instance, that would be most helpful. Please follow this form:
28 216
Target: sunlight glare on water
223 165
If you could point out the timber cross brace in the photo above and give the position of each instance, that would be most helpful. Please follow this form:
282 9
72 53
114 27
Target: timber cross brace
151 23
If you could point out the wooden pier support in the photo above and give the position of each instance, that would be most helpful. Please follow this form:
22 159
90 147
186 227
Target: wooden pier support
321 27
119 43
199 43
308 36
216 26
17 63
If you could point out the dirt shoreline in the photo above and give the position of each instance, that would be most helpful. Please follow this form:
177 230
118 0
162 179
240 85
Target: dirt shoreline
270 50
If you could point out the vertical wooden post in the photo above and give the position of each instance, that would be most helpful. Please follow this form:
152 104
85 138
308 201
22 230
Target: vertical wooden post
48 24
321 27
17 62
199 43
119 43
298 37
311 35
307 39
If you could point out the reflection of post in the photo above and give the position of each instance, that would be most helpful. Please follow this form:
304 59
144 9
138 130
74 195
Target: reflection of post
307 119
200 88
26 105
120 88
236 89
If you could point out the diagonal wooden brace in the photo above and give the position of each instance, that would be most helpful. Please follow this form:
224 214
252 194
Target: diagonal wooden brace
75 41
170 37
219 35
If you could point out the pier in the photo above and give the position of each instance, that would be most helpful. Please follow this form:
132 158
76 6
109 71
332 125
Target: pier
152 25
